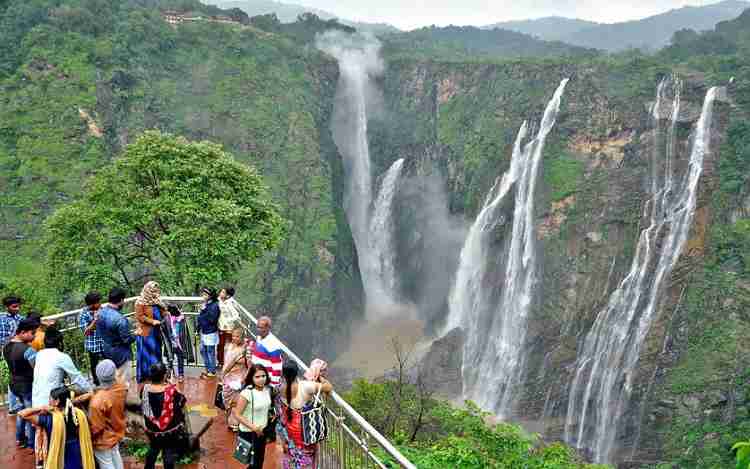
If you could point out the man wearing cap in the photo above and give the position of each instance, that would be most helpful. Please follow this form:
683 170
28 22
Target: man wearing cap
107 416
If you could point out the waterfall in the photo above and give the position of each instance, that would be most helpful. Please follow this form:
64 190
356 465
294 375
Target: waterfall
359 62
605 368
381 236
495 330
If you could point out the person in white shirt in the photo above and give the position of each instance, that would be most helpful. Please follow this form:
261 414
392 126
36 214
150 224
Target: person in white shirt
51 367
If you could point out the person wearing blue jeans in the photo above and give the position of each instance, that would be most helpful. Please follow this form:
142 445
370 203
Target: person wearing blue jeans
208 326
21 358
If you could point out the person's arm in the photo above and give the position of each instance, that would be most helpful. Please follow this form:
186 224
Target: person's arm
228 366
83 321
141 315
30 356
215 315
97 420
123 331
325 386
87 322
239 409
77 380
32 415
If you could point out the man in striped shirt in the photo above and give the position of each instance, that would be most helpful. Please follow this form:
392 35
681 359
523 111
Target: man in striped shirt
267 350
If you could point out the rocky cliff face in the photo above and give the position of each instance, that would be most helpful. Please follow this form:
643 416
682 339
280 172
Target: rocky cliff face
455 123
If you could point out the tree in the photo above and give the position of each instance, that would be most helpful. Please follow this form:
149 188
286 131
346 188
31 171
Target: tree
183 213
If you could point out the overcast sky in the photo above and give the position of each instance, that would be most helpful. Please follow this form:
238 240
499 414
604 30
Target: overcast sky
415 13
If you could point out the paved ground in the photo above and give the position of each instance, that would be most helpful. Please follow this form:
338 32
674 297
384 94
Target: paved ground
217 444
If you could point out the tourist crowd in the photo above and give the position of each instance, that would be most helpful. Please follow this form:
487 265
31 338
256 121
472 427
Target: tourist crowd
71 422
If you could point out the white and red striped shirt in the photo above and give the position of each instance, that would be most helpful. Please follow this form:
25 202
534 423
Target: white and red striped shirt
267 352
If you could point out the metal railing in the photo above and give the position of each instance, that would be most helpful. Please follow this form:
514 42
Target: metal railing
352 442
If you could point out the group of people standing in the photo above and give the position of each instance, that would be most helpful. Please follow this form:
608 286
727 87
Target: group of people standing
264 396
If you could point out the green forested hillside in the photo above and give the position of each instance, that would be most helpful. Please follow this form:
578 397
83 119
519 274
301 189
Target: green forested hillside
84 78
461 43
651 33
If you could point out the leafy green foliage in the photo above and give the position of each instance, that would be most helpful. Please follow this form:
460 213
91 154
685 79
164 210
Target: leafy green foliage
181 212
562 174
742 454
461 438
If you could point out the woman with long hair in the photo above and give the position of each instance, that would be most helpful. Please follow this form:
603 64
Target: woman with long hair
149 312
234 372
163 409
251 411
68 436
293 396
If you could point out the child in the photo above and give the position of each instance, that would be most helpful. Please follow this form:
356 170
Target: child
178 325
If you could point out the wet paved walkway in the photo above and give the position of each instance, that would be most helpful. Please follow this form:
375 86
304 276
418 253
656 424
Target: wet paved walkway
216 445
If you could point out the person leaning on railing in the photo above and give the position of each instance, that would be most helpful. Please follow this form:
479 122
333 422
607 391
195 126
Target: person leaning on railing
292 398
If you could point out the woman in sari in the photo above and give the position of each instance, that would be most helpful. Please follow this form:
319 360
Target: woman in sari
68 437
236 362
293 396
149 312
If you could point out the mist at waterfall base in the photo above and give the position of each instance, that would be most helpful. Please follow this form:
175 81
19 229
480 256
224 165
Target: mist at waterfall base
493 315
429 243
606 366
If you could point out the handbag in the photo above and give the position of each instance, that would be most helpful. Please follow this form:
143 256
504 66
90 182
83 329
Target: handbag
314 423
269 433
219 397
244 452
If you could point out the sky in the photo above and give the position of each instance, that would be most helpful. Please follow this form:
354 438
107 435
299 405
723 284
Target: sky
407 14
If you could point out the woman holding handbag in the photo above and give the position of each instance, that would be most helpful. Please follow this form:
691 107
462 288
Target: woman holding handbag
234 373
252 412
295 398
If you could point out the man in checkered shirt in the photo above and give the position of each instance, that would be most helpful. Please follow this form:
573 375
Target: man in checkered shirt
92 339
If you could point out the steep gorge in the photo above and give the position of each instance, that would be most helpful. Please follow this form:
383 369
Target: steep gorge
444 135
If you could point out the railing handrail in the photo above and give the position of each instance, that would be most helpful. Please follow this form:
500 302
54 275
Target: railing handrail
345 407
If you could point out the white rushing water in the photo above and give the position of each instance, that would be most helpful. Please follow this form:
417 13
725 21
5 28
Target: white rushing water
359 61
605 368
495 328
381 237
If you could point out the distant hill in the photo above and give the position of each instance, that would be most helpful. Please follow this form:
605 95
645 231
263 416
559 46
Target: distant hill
460 42
551 28
649 33
288 13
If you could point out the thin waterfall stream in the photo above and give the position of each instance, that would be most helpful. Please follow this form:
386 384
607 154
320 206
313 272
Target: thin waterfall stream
606 366
495 329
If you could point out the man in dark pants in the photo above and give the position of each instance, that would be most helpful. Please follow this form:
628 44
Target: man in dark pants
93 339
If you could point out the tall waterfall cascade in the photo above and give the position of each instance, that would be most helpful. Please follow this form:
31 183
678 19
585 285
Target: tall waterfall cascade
495 328
369 220
606 366
381 235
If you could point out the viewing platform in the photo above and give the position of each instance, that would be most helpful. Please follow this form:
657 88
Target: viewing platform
352 442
